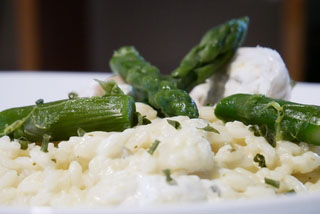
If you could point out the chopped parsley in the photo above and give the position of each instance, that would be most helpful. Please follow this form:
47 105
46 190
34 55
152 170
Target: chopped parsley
260 160
272 182
175 124
153 147
209 128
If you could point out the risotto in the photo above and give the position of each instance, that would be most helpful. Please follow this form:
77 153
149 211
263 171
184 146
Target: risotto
158 163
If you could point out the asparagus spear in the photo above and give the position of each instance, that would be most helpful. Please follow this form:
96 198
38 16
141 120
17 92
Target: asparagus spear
283 120
61 119
215 50
149 86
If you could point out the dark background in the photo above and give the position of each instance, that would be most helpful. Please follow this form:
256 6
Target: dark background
82 35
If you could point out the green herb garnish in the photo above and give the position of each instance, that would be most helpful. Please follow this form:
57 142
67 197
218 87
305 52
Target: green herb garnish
81 132
256 130
175 124
169 179
39 101
45 142
280 116
153 147
142 120
209 128
264 132
23 144
110 87
215 189
260 160
271 136
272 182
73 95
291 191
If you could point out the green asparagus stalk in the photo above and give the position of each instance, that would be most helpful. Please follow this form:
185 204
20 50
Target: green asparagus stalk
149 86
216 49
283 120
62 119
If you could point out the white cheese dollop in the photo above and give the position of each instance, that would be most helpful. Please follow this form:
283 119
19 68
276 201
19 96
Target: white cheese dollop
253 70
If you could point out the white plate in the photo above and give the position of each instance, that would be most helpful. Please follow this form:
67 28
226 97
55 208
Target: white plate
301 204
24 88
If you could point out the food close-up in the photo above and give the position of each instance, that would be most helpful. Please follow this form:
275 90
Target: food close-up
219 127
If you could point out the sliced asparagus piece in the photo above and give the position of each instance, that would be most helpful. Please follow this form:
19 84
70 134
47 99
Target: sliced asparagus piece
62 119
283 120
215 50
149 86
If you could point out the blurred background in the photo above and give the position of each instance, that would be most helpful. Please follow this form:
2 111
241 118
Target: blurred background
81 35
